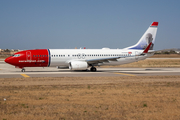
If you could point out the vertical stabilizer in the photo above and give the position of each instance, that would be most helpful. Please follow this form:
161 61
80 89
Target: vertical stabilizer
148 37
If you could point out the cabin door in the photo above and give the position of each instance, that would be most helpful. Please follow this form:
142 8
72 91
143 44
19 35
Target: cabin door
28 56
136 55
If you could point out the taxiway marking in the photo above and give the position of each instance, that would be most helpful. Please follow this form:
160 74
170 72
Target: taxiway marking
125 74
24 75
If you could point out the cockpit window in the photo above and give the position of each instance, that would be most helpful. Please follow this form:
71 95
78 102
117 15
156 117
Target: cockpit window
16 55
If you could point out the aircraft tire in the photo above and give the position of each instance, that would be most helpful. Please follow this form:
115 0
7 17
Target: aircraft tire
93 69
23 70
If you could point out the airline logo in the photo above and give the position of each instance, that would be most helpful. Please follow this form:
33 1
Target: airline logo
129 52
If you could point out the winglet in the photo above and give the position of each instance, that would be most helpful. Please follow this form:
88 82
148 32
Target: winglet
147 49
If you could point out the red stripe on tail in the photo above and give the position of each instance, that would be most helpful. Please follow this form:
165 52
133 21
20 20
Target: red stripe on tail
147 49
154 24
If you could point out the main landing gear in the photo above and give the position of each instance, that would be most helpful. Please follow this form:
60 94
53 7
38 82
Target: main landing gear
23 70
93 69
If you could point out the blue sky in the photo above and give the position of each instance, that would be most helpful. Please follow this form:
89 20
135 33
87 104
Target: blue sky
65 24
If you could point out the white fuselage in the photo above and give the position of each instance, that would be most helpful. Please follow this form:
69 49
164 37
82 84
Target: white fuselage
62 57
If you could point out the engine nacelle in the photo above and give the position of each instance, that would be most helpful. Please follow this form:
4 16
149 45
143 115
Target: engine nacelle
78 65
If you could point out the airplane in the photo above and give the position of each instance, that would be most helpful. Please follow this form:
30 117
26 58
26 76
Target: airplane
83 59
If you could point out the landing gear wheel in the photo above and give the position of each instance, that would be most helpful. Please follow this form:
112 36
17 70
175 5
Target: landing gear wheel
23 70
93 69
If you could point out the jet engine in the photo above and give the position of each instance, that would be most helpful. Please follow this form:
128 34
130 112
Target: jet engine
78 65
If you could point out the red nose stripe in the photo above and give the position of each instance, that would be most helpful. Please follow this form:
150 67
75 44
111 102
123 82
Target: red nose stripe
30 58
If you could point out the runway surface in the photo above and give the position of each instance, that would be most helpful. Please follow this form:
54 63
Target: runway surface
8 71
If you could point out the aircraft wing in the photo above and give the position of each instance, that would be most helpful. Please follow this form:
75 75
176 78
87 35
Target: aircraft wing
92 61
101 60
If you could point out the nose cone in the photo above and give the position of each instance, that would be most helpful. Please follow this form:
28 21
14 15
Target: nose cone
6 60
9 60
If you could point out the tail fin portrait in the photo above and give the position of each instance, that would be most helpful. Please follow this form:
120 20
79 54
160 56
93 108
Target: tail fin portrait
148 37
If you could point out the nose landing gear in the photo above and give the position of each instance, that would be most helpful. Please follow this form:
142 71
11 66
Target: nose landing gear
23 70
